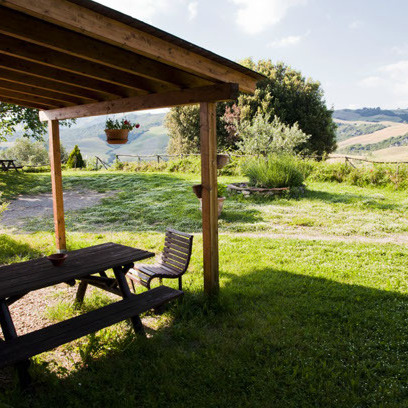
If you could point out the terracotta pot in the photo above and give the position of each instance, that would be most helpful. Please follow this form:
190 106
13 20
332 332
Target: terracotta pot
198 190
117 136
222 160
57 259
220 205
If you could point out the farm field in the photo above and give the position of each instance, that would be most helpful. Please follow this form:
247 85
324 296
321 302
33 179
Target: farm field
392 130
312 310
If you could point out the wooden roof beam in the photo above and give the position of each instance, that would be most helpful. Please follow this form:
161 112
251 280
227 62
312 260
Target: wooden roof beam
21 26
31 68
96 25
213 93
45 56
25 104
24 79
30 90
30 98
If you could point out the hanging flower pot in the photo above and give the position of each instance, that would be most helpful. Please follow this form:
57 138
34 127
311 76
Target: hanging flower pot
117 136
222 160
117 131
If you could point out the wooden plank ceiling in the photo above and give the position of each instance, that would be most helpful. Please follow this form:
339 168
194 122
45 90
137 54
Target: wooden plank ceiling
51 59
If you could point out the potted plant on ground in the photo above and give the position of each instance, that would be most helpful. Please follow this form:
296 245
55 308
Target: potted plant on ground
221 191
117 131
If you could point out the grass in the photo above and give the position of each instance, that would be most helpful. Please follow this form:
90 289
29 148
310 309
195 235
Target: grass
154 201
298 323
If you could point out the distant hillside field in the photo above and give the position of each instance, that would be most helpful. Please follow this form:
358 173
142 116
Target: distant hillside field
346 130
372 115
89 135
392 130
373 132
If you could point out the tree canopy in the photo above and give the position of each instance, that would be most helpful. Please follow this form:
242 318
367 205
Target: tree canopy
13 116
284 93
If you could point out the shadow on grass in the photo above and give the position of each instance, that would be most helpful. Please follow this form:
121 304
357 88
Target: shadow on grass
12 184
272 339
14 251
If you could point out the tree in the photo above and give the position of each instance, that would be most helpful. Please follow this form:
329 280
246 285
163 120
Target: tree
261 136
284 93
11 116
183 124
75 159
30 153
287 94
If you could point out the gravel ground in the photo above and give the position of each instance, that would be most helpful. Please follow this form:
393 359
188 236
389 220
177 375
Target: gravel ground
27 206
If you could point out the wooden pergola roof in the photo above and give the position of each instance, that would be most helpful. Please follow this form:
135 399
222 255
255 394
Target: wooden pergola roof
76 58
59 55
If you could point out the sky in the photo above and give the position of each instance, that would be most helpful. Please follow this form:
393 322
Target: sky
358 49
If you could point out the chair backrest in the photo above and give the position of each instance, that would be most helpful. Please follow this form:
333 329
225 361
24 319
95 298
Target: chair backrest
177 251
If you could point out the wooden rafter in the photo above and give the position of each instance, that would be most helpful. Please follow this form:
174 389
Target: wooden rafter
44 93
31 98
25 79
75 44
86 21
45 56
25 104
42 71
214 93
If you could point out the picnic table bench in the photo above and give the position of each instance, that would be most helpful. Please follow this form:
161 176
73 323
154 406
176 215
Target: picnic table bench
21 278
6 165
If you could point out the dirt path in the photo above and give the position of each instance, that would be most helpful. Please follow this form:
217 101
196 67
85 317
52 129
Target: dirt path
389 239
28 206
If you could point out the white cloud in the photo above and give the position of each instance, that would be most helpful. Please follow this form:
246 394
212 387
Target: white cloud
141 9
146 10
355 24
192 10
254 16
400 49
391 79
287 41
371 81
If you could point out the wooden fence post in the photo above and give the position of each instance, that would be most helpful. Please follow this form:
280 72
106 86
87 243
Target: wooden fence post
56 184
208 136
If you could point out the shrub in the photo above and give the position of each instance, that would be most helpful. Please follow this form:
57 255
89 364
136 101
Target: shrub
262 137
274 171
75 159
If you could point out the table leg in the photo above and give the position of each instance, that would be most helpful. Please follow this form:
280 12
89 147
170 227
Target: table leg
9 332
81 293
120 275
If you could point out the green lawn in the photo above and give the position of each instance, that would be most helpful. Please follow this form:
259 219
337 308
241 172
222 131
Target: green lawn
298 323
152 202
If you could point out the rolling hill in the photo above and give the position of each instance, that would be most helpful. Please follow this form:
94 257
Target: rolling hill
373 132
89 135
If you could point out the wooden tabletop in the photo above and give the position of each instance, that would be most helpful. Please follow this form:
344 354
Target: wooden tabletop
23 277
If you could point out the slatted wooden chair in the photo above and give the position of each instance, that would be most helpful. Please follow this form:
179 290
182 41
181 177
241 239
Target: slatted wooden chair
172 265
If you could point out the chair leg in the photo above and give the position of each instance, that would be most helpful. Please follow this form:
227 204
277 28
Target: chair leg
81 292
161 281
133 285
180 283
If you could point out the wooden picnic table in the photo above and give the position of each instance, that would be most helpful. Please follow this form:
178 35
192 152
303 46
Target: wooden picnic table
18 279
7 164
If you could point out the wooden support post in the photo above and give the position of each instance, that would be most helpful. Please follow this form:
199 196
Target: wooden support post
208 136
56 183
